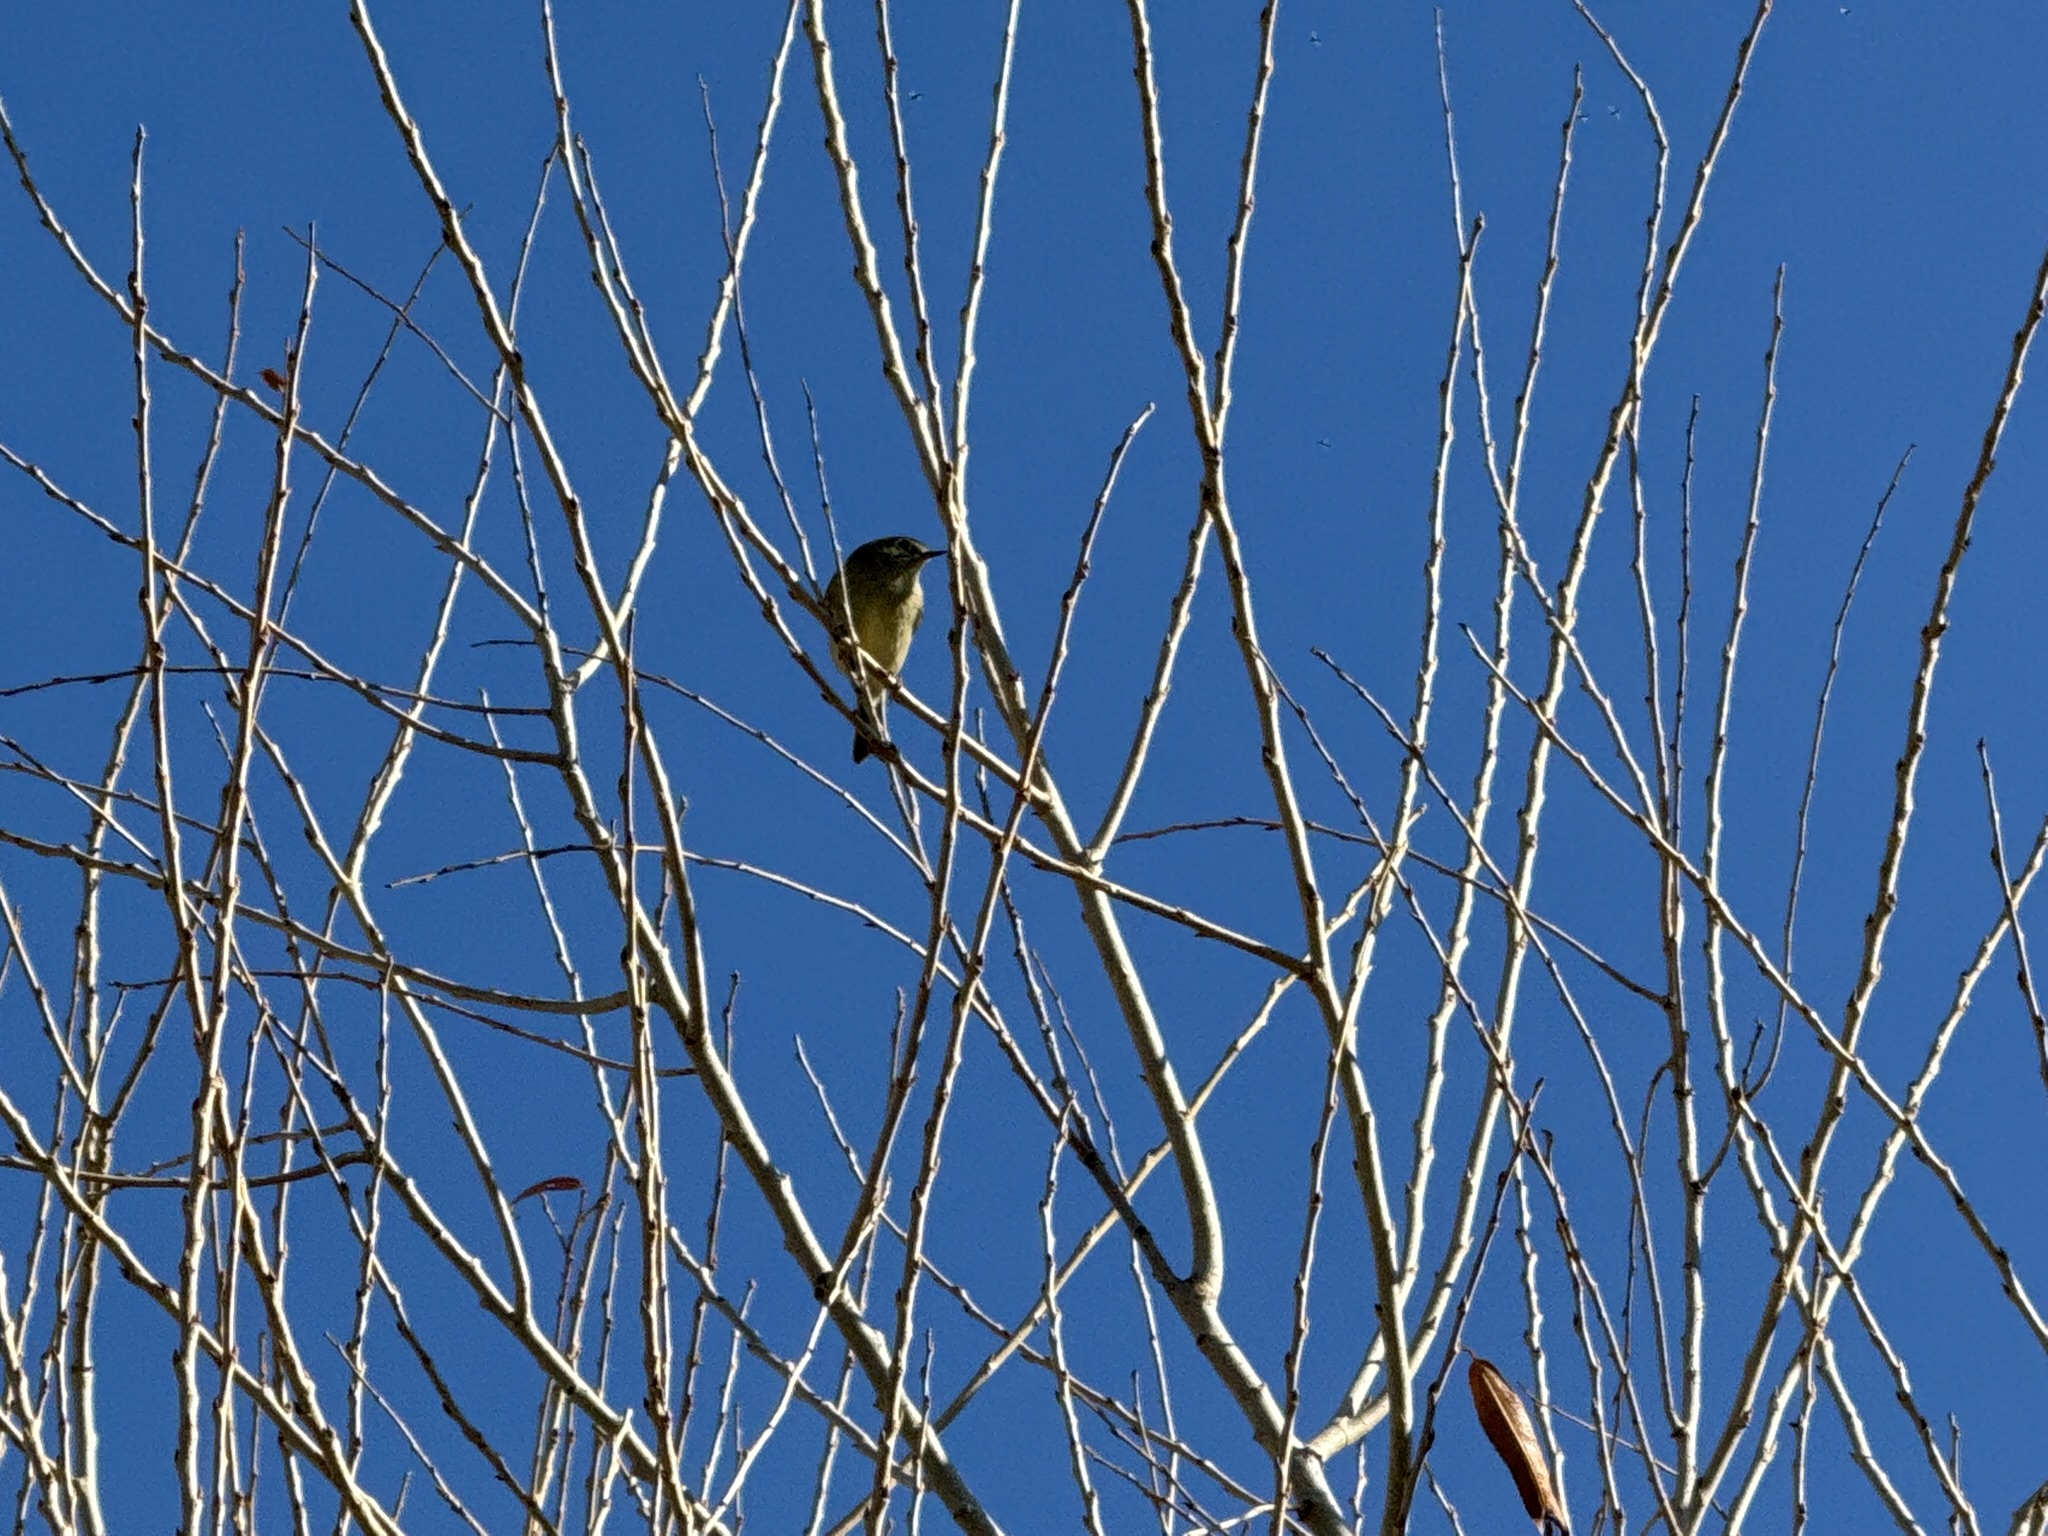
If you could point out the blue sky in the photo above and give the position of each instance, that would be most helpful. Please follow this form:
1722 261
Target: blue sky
1884 156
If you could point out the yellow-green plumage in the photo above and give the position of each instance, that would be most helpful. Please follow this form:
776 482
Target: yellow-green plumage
880 589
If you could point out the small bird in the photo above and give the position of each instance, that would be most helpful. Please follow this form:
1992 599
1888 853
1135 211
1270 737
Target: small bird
880 590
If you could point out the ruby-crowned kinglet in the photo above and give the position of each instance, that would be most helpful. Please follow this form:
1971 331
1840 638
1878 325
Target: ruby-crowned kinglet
879 588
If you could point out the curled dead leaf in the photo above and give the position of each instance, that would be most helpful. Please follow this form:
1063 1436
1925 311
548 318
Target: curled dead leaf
559 1184
1513 1437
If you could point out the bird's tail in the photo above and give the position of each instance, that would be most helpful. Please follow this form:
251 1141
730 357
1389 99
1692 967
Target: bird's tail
868 734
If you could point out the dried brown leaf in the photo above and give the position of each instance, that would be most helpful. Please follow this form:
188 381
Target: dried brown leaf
560 1183
1513 1437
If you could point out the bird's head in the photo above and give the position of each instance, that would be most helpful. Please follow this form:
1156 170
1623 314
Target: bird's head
893 562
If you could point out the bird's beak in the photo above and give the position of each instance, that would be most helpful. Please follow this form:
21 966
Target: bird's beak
931 554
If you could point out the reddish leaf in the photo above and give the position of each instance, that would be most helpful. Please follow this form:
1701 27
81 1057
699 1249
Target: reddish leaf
556 1185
